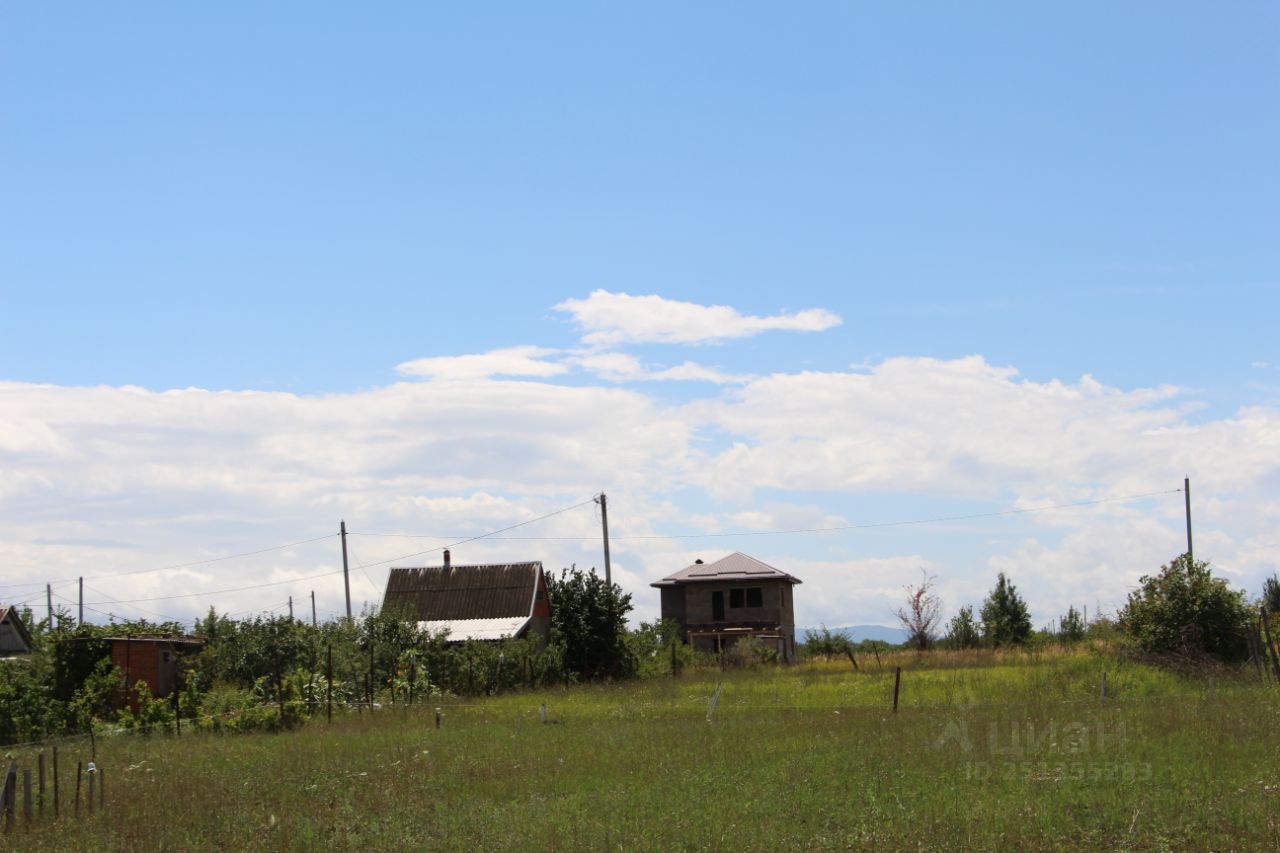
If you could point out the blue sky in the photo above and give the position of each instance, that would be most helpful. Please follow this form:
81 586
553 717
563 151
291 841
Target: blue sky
300 200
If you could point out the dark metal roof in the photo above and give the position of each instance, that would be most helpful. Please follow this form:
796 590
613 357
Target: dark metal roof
9 613
735 567
438 593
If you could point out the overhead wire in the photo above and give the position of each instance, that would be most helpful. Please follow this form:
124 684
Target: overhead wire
803 530
185 565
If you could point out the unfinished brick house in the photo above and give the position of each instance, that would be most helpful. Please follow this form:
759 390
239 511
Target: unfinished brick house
736 596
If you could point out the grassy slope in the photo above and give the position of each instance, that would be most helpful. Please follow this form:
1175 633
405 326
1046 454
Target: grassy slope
987 752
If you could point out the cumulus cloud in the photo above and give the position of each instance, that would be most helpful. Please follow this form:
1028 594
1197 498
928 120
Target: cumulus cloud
615 318
511 361
621 367
187 475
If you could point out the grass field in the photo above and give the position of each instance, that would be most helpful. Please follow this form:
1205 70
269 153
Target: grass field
986 752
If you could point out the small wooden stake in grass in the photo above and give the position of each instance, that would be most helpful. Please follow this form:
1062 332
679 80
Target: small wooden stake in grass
438 716
715 700
102 788
897 684
10 790
542 712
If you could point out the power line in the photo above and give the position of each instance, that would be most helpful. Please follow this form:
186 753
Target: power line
213 592
803 530
475 538
185 565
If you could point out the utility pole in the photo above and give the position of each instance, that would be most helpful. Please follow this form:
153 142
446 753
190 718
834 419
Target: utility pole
346 577
604 525
48 597
291 608
81 601
313 608
1186 492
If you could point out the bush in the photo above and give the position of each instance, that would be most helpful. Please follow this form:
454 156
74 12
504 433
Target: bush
1185 610
962 630
825 643
589 623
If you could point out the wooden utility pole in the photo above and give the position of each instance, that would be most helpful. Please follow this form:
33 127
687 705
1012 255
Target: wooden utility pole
81 622
1186 493
604 526
313 608
48 597
291 608
346 577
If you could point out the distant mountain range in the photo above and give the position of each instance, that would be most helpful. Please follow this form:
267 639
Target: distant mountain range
858 633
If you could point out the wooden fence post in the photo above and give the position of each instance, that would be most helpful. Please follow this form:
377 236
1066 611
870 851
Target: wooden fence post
876 649
26 795
897 683
92 774
1266 627
77 789
55 782
852 659
40 764
1103 693
102 788
10 789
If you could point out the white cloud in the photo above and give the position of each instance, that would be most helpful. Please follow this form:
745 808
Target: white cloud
192 474
620 367
512 361
615 318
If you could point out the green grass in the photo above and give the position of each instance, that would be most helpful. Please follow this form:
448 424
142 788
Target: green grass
986 752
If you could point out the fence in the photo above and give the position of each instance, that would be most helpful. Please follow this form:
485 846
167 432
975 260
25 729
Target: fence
45 802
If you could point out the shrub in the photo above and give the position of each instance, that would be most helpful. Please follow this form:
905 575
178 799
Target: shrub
1185 610
962 630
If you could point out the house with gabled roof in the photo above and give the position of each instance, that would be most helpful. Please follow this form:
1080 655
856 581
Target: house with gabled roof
15 639
737 596
477 602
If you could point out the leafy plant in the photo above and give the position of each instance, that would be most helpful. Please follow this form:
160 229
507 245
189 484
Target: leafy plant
1005 618
1184 609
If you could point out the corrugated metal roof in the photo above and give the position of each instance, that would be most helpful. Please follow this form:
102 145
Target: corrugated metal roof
452 593
477 629
9 613
735 567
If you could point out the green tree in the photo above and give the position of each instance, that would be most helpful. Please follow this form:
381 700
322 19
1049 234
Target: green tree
1184 609
1005 619
1271 594
589 622
1071 626
962 630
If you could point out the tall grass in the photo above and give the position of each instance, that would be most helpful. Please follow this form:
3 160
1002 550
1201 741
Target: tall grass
988 751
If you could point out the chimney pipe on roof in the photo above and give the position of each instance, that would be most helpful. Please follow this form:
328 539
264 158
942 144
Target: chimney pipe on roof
446 558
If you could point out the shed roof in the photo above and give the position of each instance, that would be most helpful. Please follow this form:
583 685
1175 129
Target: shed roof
477 629
9 613
453 593
735 567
